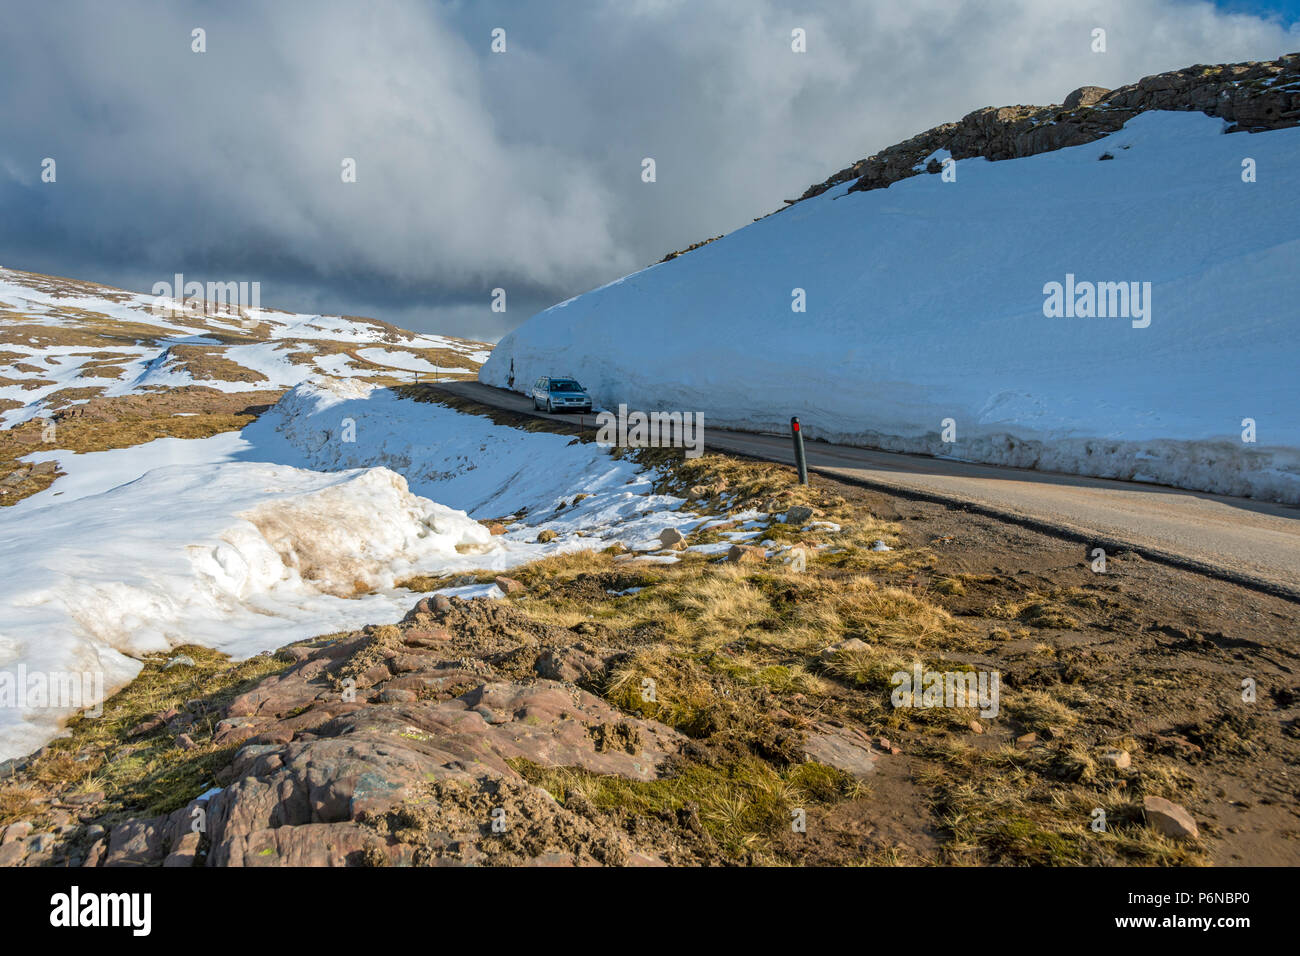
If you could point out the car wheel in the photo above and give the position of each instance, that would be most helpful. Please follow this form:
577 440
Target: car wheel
549 407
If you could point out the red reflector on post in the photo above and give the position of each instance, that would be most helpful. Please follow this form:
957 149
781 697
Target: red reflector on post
799 461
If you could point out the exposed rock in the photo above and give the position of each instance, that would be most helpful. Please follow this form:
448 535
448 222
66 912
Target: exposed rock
1169 818
16 831
1025 741
842 748
95 855
185 851
746 554
146 726
1084 96
798 514
11 854
426 637
851 645
976 727
180 660
1252 96
567 664
509 585
413 770
136 843
672 539
1115 759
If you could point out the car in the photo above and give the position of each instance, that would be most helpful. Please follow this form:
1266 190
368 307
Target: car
560 395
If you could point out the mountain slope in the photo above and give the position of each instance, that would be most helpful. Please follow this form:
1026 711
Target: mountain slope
85 367
928 301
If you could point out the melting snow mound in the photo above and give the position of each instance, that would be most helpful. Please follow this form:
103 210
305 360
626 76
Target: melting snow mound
239 556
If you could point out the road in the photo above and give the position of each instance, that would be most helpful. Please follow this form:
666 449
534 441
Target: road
1253 543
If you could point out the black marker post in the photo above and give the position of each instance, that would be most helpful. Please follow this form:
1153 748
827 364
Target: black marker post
799 460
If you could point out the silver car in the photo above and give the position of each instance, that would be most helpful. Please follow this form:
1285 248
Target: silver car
560 395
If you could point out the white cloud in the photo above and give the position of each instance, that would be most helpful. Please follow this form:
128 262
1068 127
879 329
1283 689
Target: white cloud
522 170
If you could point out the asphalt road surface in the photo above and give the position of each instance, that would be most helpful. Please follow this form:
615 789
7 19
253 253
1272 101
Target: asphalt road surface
1251 542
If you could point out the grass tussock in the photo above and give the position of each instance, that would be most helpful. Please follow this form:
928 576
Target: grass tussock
742 805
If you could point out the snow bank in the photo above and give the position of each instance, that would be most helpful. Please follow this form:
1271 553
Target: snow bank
238 556
925 303
467 462
302 525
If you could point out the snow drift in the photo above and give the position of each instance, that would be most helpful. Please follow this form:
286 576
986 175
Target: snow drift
237 556
925 302
301 525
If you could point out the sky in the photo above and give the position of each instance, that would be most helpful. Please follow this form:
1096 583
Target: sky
519 170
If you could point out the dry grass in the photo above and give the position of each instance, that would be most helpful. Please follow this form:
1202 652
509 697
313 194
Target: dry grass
109 423
1038 807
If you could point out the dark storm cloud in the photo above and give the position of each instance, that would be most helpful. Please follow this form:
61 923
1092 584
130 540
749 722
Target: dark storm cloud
478 170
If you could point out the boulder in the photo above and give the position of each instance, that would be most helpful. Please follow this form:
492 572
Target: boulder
798 514
184 852
1115 759
746 554
1169 819
1085 96
672 539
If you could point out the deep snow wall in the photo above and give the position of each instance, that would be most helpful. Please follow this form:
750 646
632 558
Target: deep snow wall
925 302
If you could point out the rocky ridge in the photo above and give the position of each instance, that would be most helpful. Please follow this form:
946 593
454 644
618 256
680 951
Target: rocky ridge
1251 97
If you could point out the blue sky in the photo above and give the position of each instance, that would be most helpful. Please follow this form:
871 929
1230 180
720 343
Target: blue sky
519 170
1287 10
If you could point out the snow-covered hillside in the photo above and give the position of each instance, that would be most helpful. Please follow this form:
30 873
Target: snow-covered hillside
926 302
64 341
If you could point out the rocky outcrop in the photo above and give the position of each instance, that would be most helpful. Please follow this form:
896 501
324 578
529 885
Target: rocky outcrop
399 745
1250 96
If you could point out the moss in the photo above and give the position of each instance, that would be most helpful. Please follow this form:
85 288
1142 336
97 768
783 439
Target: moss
145 775
742 804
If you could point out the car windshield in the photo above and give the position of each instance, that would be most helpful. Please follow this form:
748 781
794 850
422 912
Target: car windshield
565 385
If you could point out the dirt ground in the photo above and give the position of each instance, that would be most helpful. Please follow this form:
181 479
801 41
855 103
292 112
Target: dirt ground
1180 642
